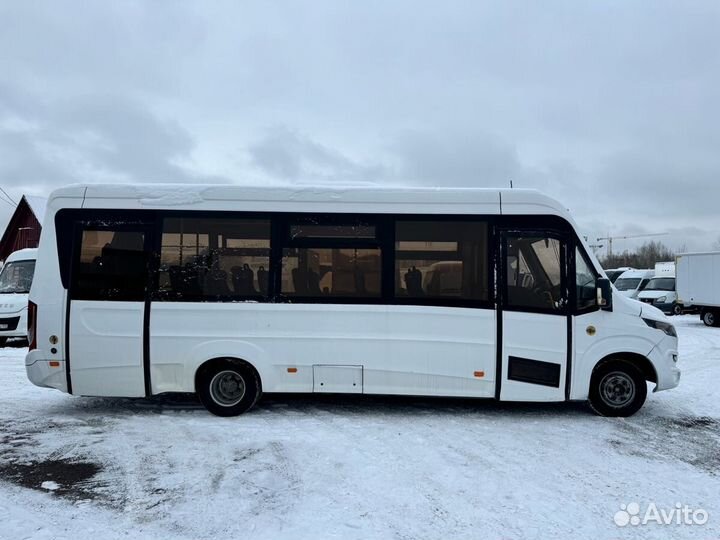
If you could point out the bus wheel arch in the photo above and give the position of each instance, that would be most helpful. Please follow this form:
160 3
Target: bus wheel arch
228 386
618 384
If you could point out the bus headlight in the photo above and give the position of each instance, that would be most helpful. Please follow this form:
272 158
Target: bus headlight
661 300
668 328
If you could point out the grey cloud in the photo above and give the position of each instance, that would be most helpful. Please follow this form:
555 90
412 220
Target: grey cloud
459 158
88 138
610 107
667 185
287 155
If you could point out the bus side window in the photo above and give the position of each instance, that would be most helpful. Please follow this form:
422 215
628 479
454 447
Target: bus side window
214 258
325 257
441 259
535 267
112 266
585 283
322 272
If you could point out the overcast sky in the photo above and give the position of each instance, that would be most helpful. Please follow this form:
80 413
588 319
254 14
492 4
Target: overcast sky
613 107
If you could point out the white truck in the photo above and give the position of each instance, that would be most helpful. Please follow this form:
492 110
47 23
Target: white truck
660 290
698 284
665 269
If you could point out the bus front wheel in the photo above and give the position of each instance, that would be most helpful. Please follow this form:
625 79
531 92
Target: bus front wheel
228 388
617 388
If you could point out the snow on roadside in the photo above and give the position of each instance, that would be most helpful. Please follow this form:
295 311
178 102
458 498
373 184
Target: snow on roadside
356 467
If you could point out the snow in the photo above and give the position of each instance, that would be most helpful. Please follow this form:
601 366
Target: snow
309 467
179 195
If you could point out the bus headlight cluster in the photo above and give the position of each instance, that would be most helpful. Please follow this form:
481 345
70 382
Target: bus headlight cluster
668 328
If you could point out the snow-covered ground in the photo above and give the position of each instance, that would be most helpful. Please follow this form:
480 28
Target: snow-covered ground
357 467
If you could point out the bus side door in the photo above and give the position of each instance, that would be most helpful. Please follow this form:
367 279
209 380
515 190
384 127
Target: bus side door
534 316
108 291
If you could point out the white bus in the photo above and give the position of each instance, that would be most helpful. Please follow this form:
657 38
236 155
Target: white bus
230 291
15 279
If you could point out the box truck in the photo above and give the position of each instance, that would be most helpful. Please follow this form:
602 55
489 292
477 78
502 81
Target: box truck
698 284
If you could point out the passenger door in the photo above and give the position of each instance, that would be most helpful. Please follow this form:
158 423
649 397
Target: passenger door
534 316
108 291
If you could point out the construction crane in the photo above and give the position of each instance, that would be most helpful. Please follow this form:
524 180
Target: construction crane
627 237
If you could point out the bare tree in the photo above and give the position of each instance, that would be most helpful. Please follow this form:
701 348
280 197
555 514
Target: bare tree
644 257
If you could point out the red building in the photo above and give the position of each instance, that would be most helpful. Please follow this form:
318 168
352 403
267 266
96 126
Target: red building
23 230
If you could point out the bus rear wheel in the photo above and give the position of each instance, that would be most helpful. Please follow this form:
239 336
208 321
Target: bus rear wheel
228 388
617 388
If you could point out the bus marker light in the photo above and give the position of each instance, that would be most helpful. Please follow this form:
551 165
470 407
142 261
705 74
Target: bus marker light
292 370
480 374
54 363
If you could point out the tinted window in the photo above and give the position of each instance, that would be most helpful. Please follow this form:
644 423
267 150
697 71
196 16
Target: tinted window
310 230
113 265
327 272
585 283
534 273
441 259
214 258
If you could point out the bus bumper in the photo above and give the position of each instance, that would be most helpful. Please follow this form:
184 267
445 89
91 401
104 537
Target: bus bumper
664 359
45 373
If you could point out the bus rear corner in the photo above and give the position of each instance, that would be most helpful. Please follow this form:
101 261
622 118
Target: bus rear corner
45 372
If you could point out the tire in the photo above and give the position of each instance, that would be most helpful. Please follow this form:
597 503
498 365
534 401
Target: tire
228 388
3 342
677 309
709 317
617 388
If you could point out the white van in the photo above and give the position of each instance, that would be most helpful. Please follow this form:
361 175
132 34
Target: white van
614 273
631 282
660 292
231 291
15 280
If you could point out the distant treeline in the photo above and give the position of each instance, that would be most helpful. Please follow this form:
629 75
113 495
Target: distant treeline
644 257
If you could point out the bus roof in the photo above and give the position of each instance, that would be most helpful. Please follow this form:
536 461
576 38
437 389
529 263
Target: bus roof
320 198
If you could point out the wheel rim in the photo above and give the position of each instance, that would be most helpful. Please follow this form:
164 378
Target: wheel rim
617 389
709 318
227 388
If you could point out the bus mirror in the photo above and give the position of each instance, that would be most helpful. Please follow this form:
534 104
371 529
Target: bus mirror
604 294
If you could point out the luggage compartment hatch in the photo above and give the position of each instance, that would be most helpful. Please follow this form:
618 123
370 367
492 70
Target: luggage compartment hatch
338 379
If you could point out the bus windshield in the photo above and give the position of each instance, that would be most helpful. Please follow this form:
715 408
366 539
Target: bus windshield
661 284
16 277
